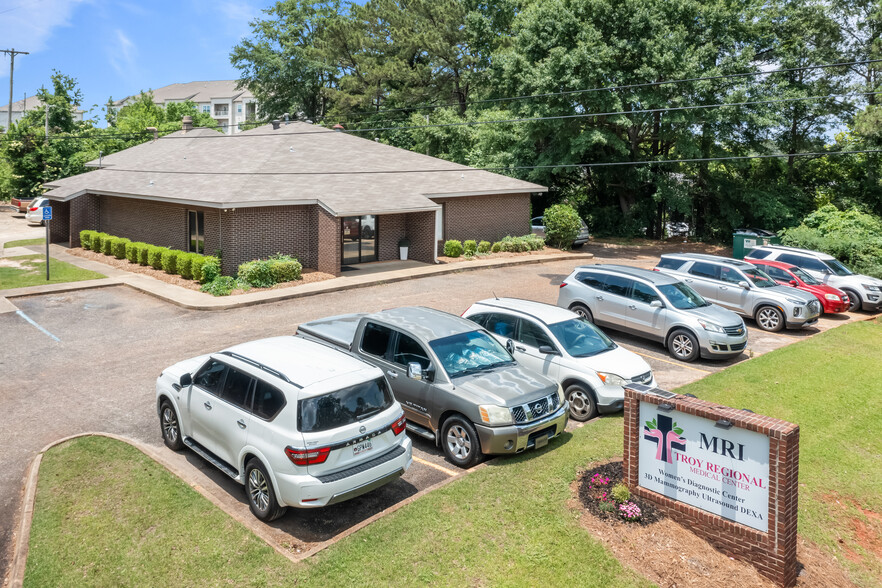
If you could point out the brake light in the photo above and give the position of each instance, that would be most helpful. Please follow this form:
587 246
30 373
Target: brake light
562 284
303 457
399 425
34 208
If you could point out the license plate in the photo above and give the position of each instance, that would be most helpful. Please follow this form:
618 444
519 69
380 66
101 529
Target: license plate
360 448
541 441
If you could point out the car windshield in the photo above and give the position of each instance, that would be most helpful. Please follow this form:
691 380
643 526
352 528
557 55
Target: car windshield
803 276
580 338
343 407
470 352
760 278
682 296
837 268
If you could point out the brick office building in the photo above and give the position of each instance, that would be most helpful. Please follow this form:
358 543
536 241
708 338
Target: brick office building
329 198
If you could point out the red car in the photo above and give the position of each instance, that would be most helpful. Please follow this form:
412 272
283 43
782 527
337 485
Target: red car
832 299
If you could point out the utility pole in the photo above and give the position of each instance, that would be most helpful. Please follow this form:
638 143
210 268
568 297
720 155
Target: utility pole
12 53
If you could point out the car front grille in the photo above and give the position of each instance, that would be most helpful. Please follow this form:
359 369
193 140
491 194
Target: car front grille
735 331
738 346
642 378
531 411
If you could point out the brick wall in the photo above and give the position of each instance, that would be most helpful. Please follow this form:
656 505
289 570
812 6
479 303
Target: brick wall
420 230
59 226
328 236
156 223
486 218
392 228
773 554
83 216
253 233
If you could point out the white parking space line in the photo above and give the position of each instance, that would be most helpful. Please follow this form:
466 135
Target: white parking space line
436 466
676 363
30 320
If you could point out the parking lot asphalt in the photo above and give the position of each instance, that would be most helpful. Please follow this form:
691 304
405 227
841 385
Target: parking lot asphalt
87 361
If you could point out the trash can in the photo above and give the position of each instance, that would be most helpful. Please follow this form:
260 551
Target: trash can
742 243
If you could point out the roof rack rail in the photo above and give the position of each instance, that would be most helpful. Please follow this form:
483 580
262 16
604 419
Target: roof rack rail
260 366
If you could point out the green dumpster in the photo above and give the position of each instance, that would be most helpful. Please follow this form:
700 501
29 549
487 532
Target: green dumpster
742 243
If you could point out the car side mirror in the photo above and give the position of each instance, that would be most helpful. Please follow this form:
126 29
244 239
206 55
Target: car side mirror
744 285
415 371
509 346
547 350
794 283
185 380
655 304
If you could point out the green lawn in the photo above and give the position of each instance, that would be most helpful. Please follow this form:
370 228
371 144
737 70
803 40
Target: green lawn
33 272
107 515
24 243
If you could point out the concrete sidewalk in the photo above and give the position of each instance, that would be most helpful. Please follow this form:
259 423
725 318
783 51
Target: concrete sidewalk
368 275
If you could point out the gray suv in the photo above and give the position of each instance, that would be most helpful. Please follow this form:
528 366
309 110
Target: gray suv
655 306
745 289
864 292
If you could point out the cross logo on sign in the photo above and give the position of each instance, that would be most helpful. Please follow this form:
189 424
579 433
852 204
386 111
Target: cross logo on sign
666 434
47 213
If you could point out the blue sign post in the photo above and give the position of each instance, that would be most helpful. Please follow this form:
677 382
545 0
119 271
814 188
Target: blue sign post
47 216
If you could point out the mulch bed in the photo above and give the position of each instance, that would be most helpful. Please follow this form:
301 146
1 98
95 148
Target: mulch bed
590 497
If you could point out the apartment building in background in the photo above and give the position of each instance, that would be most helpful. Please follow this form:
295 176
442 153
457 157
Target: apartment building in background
26 104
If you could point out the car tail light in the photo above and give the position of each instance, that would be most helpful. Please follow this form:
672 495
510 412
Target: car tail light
399 425
303 457
34 208
562 284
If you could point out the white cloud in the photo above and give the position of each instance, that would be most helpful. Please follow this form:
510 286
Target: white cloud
28 24
122 55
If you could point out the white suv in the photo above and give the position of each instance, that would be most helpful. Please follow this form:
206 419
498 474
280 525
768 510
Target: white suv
863 291
565 347
298 423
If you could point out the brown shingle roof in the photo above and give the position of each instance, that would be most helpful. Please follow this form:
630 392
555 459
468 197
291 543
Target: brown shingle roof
296 164
196 91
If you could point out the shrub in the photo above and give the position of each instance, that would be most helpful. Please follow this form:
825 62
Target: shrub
143 250
484 247
132 251
119 247
286 268
95 241
257 273
562 225
196 267
107 244
154 256
220 286
170 260
185 265
497 247
620 493
86 238
453 248
470 247
211 269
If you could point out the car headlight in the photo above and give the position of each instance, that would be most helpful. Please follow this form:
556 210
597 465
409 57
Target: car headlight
871 288
495 415
712 327
560 394
611 379
832 297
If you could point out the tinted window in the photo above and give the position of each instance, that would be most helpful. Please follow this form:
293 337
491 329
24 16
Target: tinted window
376 339
777 273
758 253
343 407
760 278
501 324
809 263
682 296
730 275
617 285
532 334
481 318
211 377
804 277
668 263
407 350
470 352
591 279
643 293
236 388
268 401
837 268
705 270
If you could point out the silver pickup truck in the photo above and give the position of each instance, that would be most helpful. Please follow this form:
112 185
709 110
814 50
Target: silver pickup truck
459 387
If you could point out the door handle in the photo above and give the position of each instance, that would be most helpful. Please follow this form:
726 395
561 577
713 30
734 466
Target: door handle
391 374
632 307
724 287
599 297
241 423
688 280
519 348
207 405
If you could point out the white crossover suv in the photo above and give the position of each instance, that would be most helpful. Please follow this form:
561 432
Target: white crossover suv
297 423
565 347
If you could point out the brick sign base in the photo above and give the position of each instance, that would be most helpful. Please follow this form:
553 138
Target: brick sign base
773 553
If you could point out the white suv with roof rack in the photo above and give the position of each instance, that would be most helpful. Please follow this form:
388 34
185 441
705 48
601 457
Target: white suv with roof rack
298 423
864 292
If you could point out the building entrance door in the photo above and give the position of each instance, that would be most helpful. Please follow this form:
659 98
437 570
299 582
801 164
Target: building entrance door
359 236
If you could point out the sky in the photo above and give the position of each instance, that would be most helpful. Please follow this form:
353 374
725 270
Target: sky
119 47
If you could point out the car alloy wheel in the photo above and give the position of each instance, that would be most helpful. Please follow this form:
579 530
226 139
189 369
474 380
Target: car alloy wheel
683 345
171 428
460 442
261 497
854 301
582 405
770 319
258 489
583 312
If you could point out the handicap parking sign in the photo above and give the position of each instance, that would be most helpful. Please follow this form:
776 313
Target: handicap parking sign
47 213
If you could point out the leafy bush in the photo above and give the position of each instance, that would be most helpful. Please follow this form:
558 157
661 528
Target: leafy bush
620 493
107 244
132 251
196 267
562 225
86 238
453 248
220 286
211 269
185 265
95 242
154 256
257 273
470 247
286 268
496 248
143 250
484 247
521 244
170 260
119 247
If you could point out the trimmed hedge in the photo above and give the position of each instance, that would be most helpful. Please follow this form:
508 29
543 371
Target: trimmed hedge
196 266
154 256
86 238
453 248
470 247
170 260
264 273
185 265
484 247
497 247
143 249
107 244
119 247
95 243
133 251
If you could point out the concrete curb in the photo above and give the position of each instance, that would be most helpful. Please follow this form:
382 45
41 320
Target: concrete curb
21 540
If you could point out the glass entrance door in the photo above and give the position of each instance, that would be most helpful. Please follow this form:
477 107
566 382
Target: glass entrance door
359 236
